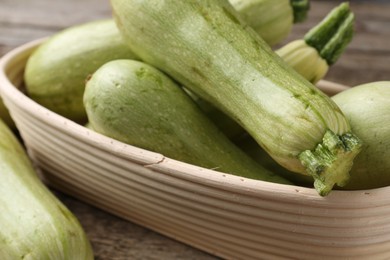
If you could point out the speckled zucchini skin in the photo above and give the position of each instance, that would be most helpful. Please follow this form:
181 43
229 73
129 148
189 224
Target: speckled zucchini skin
137 104
56 72
34 224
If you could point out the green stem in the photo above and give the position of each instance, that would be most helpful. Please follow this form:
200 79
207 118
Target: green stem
333 34
329 163
300 9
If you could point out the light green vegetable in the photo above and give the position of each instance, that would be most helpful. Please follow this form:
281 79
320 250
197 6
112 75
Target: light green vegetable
335 31
137 104
34 224
303 58
367 108
206 48
273 20
56 72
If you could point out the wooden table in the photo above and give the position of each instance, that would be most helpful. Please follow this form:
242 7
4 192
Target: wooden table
366 59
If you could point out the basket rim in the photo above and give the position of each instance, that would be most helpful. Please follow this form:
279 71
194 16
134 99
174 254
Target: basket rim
337 198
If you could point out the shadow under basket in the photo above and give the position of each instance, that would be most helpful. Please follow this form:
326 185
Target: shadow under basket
225 215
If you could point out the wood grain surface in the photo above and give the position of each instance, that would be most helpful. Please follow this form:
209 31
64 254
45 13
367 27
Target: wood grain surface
366 59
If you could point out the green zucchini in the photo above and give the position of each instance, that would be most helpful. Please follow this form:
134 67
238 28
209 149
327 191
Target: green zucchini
206 48
310 62
302 57
367 108
273 20
34 224
56 72
137 104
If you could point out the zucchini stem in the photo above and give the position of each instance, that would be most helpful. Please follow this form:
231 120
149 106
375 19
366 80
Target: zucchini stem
330 162
331 36
300 9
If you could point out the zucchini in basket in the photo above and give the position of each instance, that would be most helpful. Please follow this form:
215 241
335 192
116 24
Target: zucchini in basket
273 20
56 72
137 104
206 48
367 107
34 224
310 57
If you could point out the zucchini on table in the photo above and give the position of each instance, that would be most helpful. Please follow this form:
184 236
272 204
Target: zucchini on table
203 45
34 224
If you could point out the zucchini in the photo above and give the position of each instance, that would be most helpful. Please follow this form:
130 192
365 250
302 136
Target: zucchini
206 48
137 104
56 72
273 20
34 224
302 57
335 31
367 108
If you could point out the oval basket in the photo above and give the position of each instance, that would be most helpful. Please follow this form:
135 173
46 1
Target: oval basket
225 215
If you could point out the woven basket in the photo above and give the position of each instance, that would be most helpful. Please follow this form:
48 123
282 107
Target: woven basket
225 215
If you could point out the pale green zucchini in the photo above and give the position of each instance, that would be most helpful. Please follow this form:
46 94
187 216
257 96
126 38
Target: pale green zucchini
206 48
302 57
367 108
34 224
334 32
273 20
56 72
137 104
